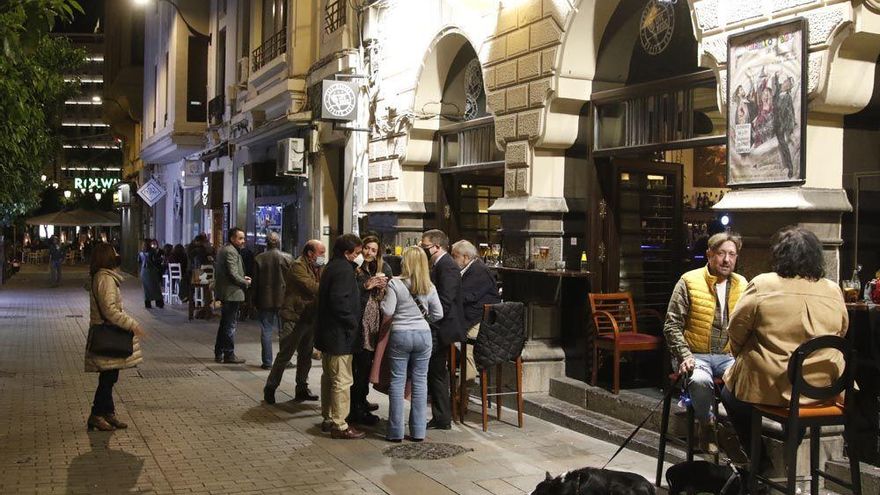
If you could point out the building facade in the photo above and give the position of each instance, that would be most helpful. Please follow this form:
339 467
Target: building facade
552 133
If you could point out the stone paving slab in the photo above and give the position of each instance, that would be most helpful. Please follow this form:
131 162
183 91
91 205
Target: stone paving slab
197 427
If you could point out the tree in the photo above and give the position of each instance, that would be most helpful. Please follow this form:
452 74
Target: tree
32 94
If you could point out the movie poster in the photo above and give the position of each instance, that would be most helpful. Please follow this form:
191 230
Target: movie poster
766 105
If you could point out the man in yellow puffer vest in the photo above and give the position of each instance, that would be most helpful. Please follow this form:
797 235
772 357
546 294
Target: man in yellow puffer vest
696 325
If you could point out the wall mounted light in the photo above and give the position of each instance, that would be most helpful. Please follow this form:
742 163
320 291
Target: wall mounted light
67 194
98 196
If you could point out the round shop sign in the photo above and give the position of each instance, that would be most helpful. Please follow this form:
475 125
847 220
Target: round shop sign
339 100
656 26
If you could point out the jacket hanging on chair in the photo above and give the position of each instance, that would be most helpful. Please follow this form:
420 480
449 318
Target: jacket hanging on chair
502 335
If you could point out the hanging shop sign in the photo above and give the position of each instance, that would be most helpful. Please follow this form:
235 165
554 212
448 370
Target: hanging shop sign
206 190
767 105
94 184
339 100
192 173
122 195
151 192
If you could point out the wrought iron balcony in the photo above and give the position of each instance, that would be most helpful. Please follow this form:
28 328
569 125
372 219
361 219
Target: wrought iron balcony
271 48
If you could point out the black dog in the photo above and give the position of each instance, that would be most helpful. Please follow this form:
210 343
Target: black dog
702 477
594 481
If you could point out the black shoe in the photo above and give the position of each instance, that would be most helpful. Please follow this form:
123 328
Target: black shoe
435 425
148 305
269 394
371 406
160 304
326 426
364 418
218 358
266 366
728 442
232 359
304 394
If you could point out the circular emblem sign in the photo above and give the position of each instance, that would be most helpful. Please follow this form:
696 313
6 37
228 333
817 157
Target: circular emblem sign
656 26
339 100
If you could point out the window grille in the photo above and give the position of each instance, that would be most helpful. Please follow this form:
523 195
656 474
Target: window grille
334 16
271 48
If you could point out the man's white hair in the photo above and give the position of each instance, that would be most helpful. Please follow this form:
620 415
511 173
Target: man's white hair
465 248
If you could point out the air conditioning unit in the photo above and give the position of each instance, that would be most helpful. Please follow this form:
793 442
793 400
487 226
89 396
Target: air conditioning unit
244 70
291 158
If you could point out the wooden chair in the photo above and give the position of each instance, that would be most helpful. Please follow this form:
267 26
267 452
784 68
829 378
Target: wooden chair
616 324
830 410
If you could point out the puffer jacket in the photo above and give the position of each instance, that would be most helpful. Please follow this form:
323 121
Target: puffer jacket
502 335
104 290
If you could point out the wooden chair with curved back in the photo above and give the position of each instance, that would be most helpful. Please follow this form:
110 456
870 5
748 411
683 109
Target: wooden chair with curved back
615 320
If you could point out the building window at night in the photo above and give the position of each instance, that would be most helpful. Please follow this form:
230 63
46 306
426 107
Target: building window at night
334 16
197 80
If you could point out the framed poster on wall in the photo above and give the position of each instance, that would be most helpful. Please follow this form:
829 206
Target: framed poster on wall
767 105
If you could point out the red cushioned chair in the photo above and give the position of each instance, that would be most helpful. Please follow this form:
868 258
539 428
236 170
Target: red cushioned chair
616 324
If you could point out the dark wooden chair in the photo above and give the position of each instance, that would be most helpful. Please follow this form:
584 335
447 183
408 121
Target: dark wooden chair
831 410
616 324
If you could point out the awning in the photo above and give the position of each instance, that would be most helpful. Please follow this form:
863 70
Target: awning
76 218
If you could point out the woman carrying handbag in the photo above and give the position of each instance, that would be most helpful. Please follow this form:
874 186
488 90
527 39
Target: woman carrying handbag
410 302
113 336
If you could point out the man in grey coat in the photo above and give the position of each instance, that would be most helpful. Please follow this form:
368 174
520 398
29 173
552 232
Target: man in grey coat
229 285
269 269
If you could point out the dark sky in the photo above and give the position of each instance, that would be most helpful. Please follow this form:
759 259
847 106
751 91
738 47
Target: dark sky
85 23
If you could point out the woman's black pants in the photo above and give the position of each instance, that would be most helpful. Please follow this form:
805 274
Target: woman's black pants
103 403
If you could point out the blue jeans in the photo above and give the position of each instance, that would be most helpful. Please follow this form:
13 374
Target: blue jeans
55 272
225 343
268 320
410 351
700 386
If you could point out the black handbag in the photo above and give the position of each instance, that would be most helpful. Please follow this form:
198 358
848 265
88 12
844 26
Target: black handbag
109 340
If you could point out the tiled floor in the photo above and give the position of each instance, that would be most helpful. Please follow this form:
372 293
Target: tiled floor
201 427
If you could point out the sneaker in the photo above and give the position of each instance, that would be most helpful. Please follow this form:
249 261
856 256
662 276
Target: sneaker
349 434
232 359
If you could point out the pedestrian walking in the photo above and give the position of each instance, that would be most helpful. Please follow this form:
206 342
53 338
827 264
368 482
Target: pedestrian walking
478 288
446 276
298 313
151 273
411 301
339 316
230 283
269 287
105 308
56 258
372 276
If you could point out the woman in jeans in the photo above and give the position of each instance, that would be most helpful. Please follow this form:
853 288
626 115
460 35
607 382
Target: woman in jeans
105 303
410 303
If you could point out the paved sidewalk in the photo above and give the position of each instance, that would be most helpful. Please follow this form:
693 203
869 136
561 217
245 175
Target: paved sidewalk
201 427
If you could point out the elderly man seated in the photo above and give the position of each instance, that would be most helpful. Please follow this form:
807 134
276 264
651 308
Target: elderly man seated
478 287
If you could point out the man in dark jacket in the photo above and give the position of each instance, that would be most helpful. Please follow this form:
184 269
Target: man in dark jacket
339 316
269 268
230 283
478 288
298 314
446 276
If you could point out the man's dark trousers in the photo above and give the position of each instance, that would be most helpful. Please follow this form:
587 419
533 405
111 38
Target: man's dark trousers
225 343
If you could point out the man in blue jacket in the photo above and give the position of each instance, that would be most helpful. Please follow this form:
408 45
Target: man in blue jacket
339 316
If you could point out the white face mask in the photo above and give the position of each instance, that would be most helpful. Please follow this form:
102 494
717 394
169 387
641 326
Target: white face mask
320 261
358 260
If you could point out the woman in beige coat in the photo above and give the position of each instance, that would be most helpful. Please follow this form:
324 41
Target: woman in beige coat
778 312
106 307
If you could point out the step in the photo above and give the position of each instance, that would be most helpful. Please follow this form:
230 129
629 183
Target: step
840 469
598 425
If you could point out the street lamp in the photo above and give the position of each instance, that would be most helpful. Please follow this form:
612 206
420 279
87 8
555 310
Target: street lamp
177 9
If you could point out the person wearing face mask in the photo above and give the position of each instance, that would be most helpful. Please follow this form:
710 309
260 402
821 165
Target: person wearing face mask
372 275
298 313
446 277
337 335
478 287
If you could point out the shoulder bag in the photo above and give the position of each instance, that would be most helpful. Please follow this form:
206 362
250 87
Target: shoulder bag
422 308
108 340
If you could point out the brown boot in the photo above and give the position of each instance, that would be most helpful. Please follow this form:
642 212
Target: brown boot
111 418
98 422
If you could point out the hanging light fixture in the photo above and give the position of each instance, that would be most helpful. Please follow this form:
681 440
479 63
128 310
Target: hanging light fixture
98 196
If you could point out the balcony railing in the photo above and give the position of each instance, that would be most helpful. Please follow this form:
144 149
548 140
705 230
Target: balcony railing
334 15
271 48
216 109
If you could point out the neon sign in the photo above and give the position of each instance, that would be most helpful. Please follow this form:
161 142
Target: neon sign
91 184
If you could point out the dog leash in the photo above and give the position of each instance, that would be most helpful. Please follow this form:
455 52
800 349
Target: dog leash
667 395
